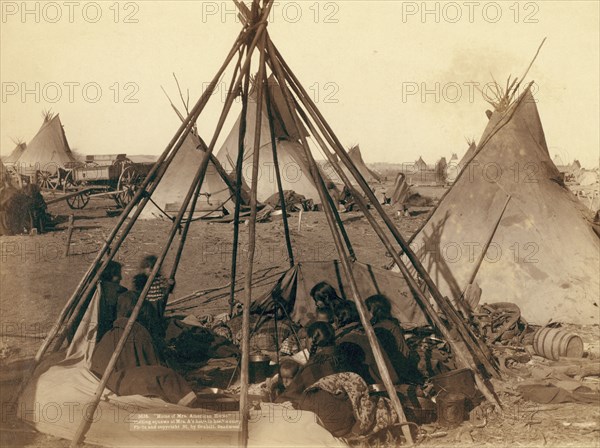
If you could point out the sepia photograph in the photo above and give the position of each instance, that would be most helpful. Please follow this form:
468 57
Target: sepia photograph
310 223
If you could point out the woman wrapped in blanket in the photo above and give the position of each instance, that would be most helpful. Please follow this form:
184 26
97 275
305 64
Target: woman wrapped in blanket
351 339
391 339
138 370
334 392
335 413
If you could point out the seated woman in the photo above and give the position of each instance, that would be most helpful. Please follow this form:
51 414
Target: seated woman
391 338
323 360
325 296
138 370
351 335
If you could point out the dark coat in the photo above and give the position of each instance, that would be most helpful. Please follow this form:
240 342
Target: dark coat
108 306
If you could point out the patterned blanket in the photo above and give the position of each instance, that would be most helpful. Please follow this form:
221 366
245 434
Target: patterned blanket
372 413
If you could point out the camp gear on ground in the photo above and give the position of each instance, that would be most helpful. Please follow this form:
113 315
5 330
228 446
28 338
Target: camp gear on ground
554 343
450 409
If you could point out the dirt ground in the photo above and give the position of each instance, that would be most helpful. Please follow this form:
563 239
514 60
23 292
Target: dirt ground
36 279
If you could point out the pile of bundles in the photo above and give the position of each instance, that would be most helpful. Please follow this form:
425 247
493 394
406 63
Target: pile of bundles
293 203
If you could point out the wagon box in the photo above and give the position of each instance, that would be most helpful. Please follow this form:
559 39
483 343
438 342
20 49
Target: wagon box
94 173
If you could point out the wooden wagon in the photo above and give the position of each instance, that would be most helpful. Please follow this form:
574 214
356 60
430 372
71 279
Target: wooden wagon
113 176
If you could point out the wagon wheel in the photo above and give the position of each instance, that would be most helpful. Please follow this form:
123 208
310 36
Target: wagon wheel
79 201
47 180
70 184
129 181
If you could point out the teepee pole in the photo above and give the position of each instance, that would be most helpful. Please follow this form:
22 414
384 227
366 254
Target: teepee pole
198 178
441 301
93 273
244 370
239 180
365 320
457 347
286 227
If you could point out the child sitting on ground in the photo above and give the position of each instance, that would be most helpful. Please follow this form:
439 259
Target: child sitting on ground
288 370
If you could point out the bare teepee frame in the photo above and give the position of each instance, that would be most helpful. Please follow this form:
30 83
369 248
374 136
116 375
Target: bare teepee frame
254 36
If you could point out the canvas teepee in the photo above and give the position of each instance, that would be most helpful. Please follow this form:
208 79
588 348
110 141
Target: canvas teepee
468 156
369 175
48 150
295 171
12 158
544 256
215 194
420 165
355 155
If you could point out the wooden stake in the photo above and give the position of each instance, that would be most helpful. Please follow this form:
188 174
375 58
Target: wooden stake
239 181
69 234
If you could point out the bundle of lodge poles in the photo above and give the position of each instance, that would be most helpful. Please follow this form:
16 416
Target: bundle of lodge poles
469 352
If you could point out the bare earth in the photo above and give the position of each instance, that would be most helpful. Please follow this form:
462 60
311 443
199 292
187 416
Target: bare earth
36 279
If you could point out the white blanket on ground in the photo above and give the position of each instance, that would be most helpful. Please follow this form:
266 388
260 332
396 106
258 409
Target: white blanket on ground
55 401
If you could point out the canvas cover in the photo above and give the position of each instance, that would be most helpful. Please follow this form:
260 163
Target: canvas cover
400 190
293 289
48 150
293 165
58 396
544 256
178 178
369 175
558 162
355 155
455 166
587 177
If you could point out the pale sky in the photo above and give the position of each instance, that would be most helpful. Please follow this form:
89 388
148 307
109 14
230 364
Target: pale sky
366 63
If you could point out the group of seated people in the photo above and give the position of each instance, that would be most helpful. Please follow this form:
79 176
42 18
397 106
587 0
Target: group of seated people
341 358
140 368
332 383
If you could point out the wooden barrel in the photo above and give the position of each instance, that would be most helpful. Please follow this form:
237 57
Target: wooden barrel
553 343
